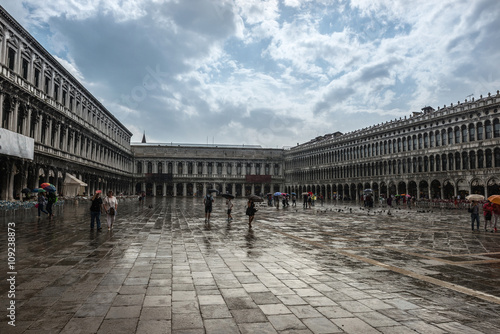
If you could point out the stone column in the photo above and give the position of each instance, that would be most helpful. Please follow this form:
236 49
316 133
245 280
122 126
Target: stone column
253 189
164 189
204 188
184 189
154 188
234 189
175 189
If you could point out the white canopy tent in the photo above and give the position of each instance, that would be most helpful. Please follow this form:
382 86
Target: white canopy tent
73 186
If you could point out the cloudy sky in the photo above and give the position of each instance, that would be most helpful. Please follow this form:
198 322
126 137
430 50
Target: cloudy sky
273 73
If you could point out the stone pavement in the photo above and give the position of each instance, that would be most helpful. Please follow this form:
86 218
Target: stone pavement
162 270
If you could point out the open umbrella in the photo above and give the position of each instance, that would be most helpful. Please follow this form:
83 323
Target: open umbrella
294 194
50 188
277 193
213 191
38 190
26 190
98 191
368 190
305 193
43 185
255 198
475 197
229 196
495 199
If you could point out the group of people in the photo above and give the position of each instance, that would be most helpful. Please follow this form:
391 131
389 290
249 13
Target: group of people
109 206
491 213
250 211
46 200
309 199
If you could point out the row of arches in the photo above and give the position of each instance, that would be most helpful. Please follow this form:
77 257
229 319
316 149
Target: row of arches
466 160
433 189
477 131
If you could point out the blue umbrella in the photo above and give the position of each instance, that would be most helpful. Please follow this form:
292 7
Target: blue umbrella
294 194
38 190
277 193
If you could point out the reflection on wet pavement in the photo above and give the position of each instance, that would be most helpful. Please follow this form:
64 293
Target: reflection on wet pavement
331 269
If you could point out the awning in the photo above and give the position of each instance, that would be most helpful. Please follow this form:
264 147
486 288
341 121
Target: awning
71 179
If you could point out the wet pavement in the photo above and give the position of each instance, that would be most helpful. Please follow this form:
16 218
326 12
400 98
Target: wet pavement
321 270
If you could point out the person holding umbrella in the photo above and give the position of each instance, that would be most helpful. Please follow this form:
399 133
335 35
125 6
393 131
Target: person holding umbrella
52 199
488 214
41 202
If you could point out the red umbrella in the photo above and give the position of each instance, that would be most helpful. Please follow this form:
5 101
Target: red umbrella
45 185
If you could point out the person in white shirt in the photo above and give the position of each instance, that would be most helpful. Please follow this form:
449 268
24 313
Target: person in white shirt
110 205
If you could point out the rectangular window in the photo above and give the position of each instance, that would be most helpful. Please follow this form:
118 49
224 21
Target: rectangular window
25 69
37 78
11 59
47 85
71 103
56 92
64 97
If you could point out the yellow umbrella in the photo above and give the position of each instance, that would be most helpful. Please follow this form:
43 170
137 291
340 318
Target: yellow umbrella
494 199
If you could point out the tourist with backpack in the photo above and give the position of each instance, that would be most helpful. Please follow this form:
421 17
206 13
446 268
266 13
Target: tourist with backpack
110 205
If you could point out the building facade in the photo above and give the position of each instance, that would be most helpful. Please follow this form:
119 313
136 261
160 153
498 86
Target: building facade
444 153
68 134
191 170
71 131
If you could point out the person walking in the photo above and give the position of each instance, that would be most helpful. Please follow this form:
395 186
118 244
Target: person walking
474 214
111 207
294 200
488 214
250 212
51 200
95 210
305 198
42 201
229 204
208 200
496 215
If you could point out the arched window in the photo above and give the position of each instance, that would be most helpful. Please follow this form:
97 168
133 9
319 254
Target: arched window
488 127
479 131
496 128
450 161
160 168
489 158
420 142
438 163
150 167
472 133
443 137
238 169
414 143
139 167
457 161
438 139
480 159
179 168
465 161
450 136
219 168
464 134
457 135
426 140
426 164
497 157
190 168
431 163
444 162
472 160
431 139
276 169
169 168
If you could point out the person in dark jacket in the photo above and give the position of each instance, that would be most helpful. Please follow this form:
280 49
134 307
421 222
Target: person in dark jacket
95 210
